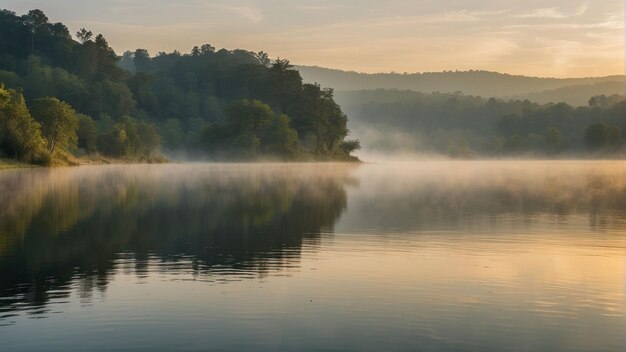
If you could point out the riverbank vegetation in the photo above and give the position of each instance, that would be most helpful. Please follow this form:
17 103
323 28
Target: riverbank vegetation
66 97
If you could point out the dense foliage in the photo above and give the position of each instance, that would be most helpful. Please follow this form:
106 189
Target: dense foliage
20 134
124 106
460 125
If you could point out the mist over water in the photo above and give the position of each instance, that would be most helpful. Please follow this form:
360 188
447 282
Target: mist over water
429 255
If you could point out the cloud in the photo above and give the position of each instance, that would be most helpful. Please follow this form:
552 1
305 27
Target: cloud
460 16
252 14
315 8
554 13
537 37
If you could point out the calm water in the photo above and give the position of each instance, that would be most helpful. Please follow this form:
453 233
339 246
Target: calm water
454 256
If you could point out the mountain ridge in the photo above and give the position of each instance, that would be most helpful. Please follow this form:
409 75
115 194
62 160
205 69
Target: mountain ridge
472 82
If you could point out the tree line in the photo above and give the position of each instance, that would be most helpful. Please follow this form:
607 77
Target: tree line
463 126
222 103
50 131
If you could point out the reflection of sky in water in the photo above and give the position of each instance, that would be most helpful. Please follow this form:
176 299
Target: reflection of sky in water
446 255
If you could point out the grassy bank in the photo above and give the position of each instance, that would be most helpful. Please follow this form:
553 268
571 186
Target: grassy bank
69 160
61 160
12 164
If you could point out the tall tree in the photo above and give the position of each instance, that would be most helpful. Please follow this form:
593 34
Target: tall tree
249 114
20 134
59 123
87 134
285 83
34 20
142 60
600 136
84 35
206 49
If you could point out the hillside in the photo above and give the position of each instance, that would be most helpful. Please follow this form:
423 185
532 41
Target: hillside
481 83
577 95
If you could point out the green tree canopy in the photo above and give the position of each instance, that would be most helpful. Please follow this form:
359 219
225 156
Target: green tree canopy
20 134
600 136
249 114
223 99
130 138
87 134
59 123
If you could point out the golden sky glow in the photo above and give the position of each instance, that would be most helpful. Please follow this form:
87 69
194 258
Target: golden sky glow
532 37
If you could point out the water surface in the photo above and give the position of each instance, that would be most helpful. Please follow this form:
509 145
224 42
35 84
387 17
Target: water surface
467 256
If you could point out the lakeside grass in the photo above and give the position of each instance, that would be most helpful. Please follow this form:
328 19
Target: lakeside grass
67 159
12 164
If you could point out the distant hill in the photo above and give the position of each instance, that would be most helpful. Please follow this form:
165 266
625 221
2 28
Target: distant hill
479 83
577 95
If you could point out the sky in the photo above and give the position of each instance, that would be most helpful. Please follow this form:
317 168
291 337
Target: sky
554 38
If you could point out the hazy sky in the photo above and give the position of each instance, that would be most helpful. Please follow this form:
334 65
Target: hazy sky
536 37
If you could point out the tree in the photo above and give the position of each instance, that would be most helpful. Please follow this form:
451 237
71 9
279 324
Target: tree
348 147
114 142
600 136
148 139
285 84
5 96
245 119
554 139
111 97
34 20
130 138
107 60
252 127
20 134
84 35
45 81
87 134
333 122
319 114
141 58
207 49
247 143
59 123
172 133
127 62
264 58
280 138
249 114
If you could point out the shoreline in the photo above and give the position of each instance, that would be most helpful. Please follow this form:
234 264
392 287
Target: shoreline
13 165
9 164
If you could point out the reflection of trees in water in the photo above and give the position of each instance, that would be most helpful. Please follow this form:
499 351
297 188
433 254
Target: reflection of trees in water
74 227
69 226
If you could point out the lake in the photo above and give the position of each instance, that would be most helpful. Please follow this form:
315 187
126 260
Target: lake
428 255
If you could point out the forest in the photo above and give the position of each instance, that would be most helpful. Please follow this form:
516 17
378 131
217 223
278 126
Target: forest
66 98
62 98
459 125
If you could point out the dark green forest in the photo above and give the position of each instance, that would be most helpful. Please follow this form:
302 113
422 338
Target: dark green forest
62 97
465 126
